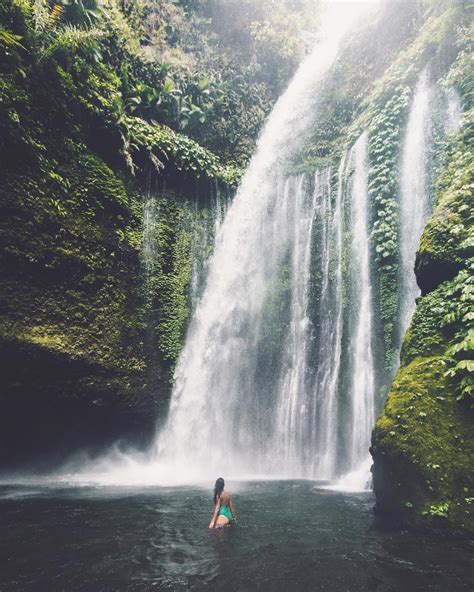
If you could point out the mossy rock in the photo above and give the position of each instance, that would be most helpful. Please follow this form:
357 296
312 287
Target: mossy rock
427 334
448 238
423 448
75 325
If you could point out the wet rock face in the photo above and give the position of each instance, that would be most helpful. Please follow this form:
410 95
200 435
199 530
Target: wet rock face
72 370
81 362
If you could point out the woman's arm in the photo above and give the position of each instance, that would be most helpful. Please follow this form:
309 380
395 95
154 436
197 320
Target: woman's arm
216 513
232 509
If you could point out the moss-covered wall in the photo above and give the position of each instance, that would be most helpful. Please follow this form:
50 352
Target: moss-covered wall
88 344
423 442
88 335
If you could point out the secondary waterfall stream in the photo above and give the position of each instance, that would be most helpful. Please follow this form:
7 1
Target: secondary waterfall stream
361 383
414 193
416 202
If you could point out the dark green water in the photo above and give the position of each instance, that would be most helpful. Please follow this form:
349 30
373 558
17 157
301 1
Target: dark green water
290 536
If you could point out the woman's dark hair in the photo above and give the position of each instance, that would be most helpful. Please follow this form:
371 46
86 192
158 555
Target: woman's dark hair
218 488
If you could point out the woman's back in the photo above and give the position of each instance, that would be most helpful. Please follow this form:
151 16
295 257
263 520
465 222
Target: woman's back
223 507
225 498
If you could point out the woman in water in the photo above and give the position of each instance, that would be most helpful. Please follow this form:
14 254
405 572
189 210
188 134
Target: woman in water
224 511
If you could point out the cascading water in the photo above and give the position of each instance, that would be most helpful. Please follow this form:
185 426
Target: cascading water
305 439
361 383
276 375
149 246
294 398
323 439
453 117
204 231
220 416
415 203
362 375
291 427
416 161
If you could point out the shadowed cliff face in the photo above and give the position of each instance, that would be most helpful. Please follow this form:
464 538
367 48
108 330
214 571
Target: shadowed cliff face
88 344
72 311
53 405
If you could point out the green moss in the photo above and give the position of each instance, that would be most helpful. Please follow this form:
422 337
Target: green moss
94 185
426 334
68 280
424 442
162 143
448 238
171 276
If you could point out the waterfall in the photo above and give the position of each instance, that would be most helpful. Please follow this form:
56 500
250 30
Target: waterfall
204 229
150 253
276 374
453 108
325 388
220 414
149 246
415 203
289 426
293 431
417 157
361 385
362 379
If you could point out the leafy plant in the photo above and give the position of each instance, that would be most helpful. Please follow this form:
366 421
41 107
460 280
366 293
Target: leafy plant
437 510
460 316
8 39
54 29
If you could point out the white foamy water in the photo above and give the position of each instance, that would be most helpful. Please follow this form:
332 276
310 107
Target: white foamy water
356 480
361 389
218 416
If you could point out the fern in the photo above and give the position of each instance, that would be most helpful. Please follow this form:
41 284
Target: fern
71 37
41 16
